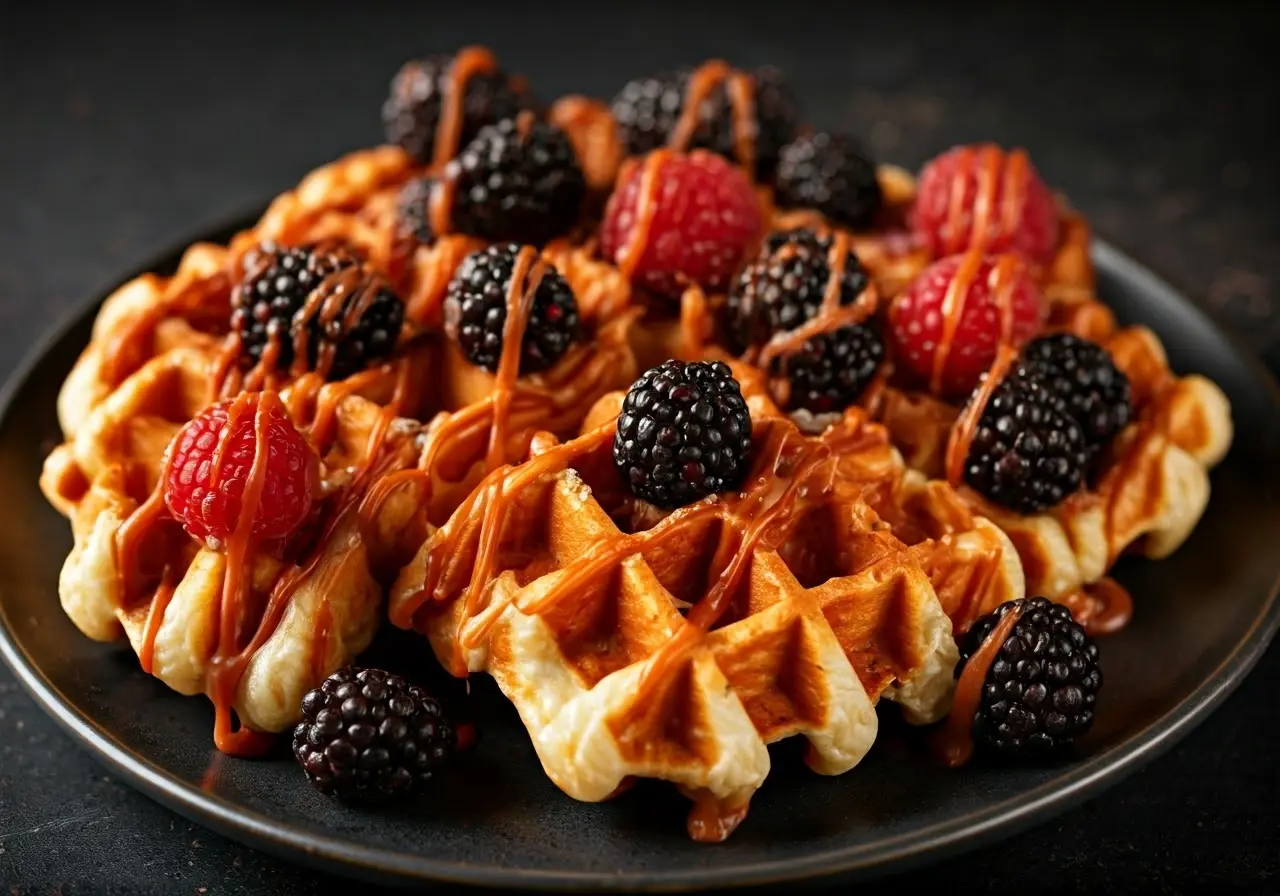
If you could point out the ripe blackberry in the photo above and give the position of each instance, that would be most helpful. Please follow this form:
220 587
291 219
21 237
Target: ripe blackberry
684 433
832 369
784 287
475 309
1026 454
411 112
518 180
1086 382
367 734
412 209
647 110
274 289
1040 692
828 172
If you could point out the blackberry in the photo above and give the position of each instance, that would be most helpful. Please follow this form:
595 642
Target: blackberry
518 180
475 309
1026 454
684 433
1085 381
828 172
274 289
413 209
832 369
784 287
411 112
1039 693
366 734
647 110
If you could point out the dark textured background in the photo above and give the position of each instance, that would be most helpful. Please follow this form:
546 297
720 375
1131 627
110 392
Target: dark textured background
124 128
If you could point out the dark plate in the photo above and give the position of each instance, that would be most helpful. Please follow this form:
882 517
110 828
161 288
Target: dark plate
1203 618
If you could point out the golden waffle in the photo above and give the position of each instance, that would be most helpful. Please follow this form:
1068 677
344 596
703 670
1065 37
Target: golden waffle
676 646
159 356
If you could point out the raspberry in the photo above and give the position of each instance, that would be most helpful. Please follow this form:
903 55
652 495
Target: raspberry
1029 227
367 734
213 512
1040 692
475 309
647 110
829 173
705 221
684 433
916 319
411 112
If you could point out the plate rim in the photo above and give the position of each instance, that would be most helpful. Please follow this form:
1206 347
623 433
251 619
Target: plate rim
1078 781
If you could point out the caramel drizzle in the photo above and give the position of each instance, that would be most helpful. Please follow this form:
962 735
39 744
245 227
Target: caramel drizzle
1003 281
1102 608
527 272
468 63
832 315
998 176
740 88
956 743
646 208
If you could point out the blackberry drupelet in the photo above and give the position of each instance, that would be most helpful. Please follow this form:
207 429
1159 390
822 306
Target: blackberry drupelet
648 108
1026 454
475 309
829 173
411 112
684 433
784 287
366 734
518 180
1039 694
275 287
832 369
1086 382
413 209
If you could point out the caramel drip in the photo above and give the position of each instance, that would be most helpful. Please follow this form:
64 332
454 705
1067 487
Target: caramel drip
713 820
527 272
1103 608
226 665
467 64
831 316
1004 280
646 207
740 88
224 370
1000 194
155 616
956 743
132 532
952 310
347 293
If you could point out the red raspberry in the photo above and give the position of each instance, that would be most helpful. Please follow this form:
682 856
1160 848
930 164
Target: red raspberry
917 319
979 177
705 221
212 513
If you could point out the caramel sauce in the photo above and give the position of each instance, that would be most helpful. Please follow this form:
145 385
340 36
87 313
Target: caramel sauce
155 615
998 177
467 64
713 820
1103 608
740 89
646 207
527 272
955 744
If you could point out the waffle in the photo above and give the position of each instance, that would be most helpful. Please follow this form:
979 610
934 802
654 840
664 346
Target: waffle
159 355
603 619
1155 486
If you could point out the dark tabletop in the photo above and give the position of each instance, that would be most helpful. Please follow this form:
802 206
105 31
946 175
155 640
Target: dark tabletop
123 129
